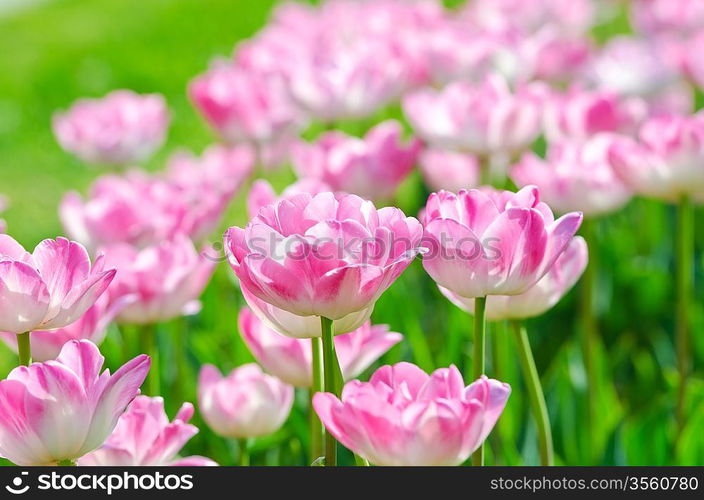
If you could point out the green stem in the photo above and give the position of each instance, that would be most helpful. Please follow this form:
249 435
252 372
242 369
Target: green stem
150 347
316 427
484 170
23 349
243 444
478 362
535 394
684 282
590 336
66 463
331 383
181 359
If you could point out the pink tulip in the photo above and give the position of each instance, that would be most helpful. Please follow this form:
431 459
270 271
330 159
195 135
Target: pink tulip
165 279
262 193
575 177
666 161
662 16
246 403
144 436
539 298
403 416
575 16
580 114
481 119
493 242
449 170
244 106
322 255
60 410
290 359
93 326
691 60
121 128
49 288
372 167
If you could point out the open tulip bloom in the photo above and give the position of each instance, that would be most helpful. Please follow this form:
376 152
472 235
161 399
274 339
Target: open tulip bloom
47 289
403 416
57 411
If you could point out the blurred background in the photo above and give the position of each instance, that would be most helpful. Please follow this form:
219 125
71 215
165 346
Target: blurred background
55 51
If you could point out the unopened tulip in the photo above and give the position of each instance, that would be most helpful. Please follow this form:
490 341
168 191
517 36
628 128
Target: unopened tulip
49 288
449 170
666 161
165 280
372 167
539 298
121 128
493 242
144 436
262 193
244 106
482 119
575 177
403 416
93 326
322 255
56 412
246 403
290 359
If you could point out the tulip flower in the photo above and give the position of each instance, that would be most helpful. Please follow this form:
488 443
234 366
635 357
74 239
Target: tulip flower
93 325
575 177
449 170
403 416
680 17
243 106
262 193
47 289
56 412
246 403
482 119
121 128
144 436
290 359
372 167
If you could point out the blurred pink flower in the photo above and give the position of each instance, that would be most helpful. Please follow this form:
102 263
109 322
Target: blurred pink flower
322 255
165 280
49 288
121 128
371 167
245 403
290 359
482 119
667 160
675 16
93 325
144 436
449 170
60 410
242 105
403 416
692 61
492 242
539 298
262 193
575 177
579 114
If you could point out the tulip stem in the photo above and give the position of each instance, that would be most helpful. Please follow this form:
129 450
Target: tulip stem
66 463
684 283
23 349
243 445
316 426
589 338
478 364
331 368
150 347
535 394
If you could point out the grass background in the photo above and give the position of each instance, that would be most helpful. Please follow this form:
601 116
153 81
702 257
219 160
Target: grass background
57 51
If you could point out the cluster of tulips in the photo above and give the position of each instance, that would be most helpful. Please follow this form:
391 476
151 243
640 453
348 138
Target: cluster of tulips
478 86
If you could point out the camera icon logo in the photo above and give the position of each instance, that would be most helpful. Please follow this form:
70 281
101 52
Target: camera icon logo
16 488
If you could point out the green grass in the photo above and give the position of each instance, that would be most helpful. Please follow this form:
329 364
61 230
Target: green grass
66 49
